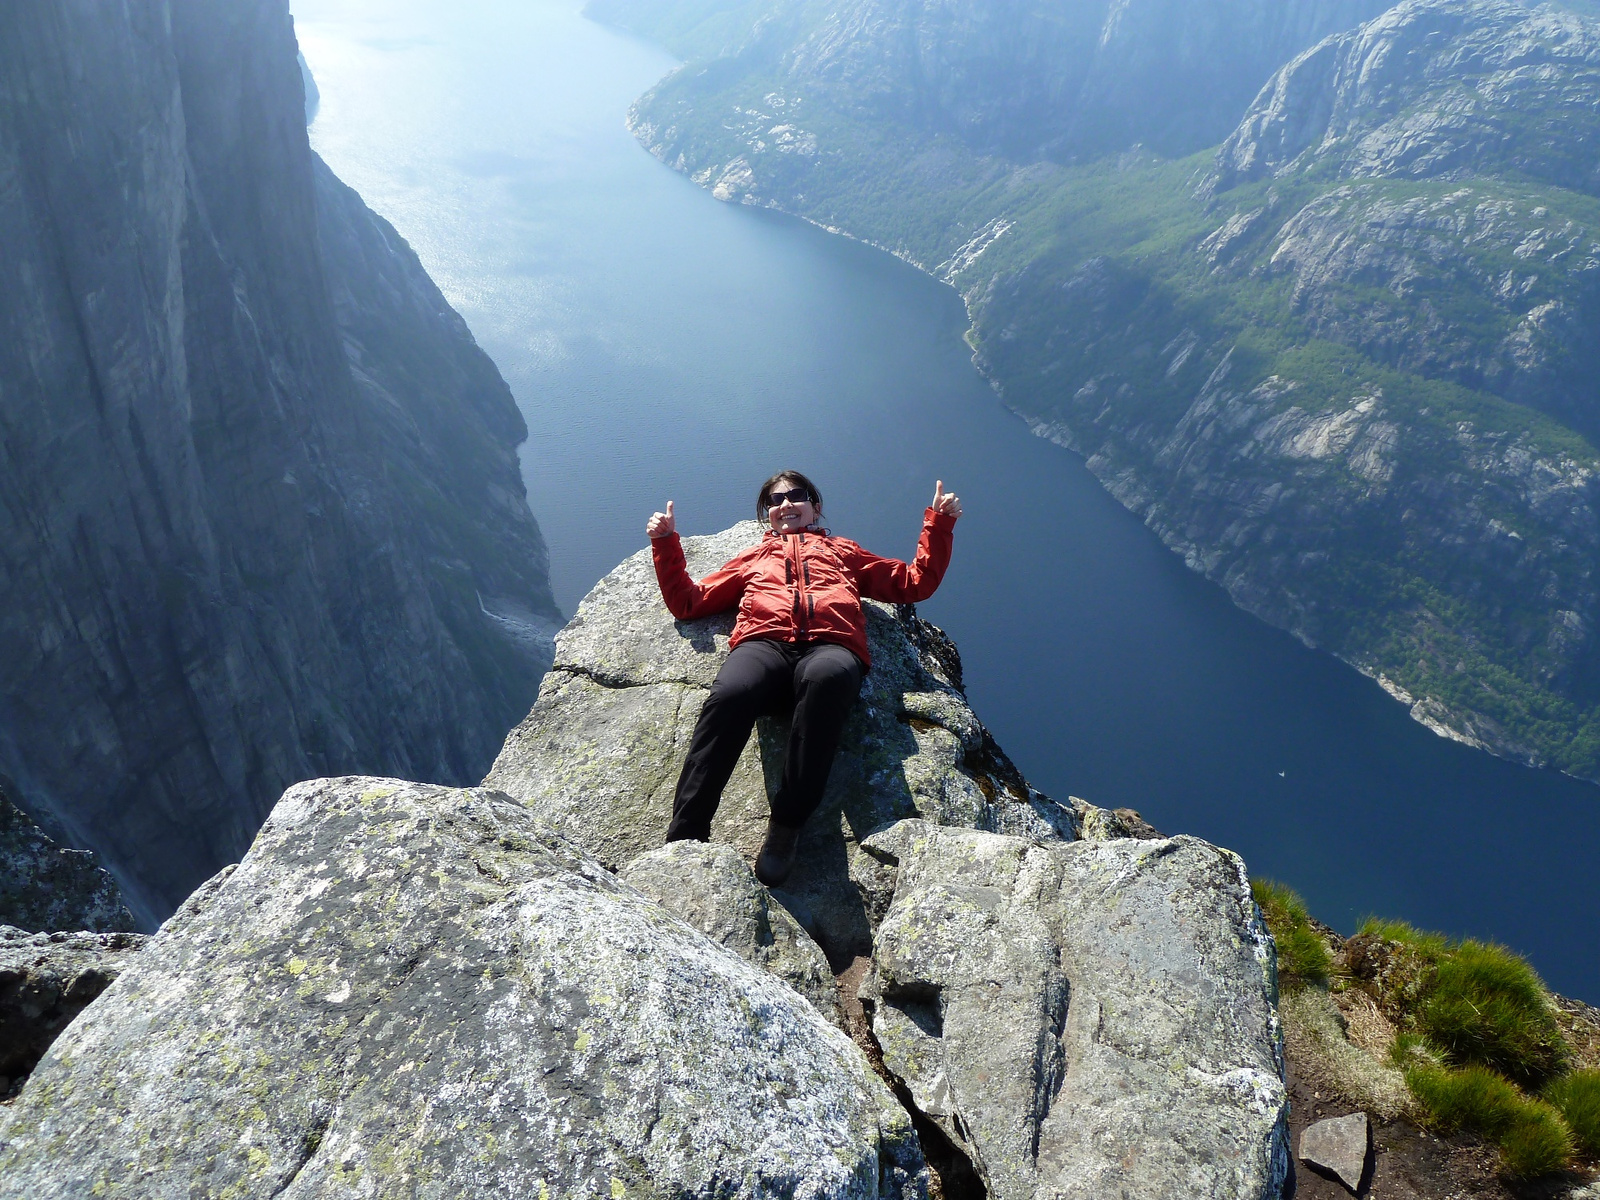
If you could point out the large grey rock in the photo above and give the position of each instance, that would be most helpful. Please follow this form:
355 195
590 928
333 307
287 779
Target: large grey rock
48 887
1090 1019
406 990
599 755
713 889
1339 1146
261 516
47 979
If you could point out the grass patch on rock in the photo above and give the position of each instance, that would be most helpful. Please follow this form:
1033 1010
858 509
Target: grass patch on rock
1576 1096
1531 1135
1319 1037
1476 1003
1303 957
1478 1036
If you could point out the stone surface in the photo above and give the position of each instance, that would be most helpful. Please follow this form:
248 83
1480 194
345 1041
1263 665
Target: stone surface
713 889
44 886
409 990
1109 824
47 979
1340 1146
1086 1019
599 755
261 516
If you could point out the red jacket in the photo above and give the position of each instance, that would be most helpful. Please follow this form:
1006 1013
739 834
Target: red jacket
804 586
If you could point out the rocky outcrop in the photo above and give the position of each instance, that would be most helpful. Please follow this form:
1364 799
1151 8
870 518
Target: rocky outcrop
1086 1019
44 886
260 512
406 988
1043 974
599 754
46 980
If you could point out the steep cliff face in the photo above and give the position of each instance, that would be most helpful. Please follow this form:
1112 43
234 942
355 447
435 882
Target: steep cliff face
1345 364
260 515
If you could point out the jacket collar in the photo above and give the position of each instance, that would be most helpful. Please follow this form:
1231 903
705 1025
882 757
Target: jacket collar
818 530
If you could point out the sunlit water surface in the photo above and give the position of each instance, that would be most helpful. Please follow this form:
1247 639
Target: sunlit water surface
662 344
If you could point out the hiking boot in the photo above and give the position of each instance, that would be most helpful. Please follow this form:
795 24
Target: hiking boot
776 859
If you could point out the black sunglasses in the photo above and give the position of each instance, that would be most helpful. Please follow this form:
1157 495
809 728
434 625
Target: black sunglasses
793 496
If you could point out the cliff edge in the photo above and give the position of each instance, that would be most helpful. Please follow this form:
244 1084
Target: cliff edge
515 990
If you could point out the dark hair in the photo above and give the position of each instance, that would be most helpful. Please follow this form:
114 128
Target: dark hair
766 490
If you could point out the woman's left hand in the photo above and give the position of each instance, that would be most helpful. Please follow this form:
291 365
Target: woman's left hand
944 502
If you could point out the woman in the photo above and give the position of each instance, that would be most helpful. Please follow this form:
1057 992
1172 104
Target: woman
800 641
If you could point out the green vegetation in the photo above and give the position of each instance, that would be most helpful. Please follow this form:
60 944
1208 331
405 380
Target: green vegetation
1303 957
1576 1096
1532 1137
1473 1027
1481 1005
1488 1007
1478 1035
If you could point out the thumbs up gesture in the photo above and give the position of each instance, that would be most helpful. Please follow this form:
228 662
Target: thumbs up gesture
944 502
662 524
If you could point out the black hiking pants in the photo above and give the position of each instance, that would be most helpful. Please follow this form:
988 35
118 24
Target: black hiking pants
816 681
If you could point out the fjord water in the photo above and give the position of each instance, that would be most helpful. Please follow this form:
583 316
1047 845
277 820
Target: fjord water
662 344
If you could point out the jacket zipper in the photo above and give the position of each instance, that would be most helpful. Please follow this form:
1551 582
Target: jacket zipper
802 577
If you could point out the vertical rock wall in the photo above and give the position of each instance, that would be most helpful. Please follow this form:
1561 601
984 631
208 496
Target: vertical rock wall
228 561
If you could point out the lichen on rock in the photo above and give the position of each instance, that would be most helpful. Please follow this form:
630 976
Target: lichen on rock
45 887
414 990
47 979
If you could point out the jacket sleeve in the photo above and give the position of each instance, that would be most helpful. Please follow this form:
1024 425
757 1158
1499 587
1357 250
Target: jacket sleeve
891 580
686 599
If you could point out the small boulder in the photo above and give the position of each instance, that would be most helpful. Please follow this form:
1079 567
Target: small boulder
713 889
1339 1146
1083 1019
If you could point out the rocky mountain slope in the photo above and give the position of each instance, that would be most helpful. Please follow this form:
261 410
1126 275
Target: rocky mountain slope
405 989
261 516
1344 362
1022 80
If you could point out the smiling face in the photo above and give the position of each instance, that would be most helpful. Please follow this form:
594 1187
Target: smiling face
791 516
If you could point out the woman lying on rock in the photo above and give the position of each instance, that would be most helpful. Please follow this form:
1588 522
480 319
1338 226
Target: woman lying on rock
799 644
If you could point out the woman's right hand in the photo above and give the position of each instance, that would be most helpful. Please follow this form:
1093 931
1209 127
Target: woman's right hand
662 524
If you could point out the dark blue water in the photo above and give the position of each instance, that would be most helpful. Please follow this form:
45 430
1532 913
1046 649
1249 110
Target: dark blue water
664 345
